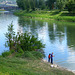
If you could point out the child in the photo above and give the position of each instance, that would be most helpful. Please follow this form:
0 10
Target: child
49 57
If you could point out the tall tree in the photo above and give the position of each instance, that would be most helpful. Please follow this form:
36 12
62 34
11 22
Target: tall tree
9 37
42 4
71 6
31 4
60 4
50 4
21 4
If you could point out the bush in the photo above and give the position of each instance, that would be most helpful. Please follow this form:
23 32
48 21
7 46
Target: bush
33 55
28 54
18 54
20 51
37 54
26 41
29 42
12 50
5 54
71 6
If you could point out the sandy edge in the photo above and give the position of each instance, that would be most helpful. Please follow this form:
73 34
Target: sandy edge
58 67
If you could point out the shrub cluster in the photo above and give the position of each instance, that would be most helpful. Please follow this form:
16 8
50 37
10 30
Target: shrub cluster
21 42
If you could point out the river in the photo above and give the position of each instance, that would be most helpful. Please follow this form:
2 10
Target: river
58 37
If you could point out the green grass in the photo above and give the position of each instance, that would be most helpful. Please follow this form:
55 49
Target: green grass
54 14
24 66
28 64
6 53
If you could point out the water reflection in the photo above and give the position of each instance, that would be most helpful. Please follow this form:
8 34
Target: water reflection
58 39
5 20
71 36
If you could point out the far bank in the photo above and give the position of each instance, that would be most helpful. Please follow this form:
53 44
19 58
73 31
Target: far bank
52 15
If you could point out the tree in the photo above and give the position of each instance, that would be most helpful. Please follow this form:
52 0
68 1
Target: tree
22 41
29 42
42 4
71 6
31 4
50 4
9 37
68 4
21 4
26 4
60 4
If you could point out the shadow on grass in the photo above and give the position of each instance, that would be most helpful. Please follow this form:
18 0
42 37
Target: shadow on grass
67 14
55 13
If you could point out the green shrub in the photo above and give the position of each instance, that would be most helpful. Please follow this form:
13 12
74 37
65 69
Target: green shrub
28 54
0 55
6 53
20 51
24 41
33 55
18 54
12 50
37 54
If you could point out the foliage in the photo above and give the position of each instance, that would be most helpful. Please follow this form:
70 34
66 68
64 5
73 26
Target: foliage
50 3
9 37
29 42
60 4
33 55
71 6
20 51
22 41
6 53
18 54
28 55
12 51
25 4
35 4
53 14
66 4
31 4
37 54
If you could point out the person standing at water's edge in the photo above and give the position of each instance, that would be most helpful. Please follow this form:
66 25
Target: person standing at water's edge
52 58
49 58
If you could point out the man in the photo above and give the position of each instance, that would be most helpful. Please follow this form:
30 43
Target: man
52 58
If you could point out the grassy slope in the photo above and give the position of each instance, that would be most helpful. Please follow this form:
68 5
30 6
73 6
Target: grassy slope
20 66
54 14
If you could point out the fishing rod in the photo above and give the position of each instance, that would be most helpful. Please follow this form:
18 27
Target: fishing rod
62 62
63 59
60 59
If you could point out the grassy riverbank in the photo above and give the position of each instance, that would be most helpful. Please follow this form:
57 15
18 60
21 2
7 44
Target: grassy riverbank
54 14
28 65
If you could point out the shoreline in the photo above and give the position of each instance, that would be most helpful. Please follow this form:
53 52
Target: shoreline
46 15
57 66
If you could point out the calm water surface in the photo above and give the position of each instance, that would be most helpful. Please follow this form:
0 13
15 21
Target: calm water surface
58 37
